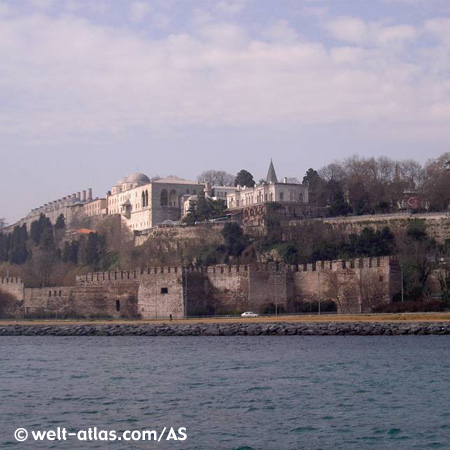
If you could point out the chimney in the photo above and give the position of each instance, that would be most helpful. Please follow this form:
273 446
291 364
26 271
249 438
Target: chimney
83 195
79 195
89 194
285 180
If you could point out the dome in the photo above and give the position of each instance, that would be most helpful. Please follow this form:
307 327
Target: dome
138 178
121 181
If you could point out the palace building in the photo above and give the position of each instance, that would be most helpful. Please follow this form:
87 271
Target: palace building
291 198
144 203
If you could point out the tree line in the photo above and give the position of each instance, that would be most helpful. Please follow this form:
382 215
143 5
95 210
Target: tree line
365 185
45 255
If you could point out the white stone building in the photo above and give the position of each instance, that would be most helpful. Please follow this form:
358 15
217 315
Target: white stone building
269 191
144 203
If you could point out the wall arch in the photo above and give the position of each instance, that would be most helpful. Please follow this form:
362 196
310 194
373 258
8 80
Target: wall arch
164 198
173 200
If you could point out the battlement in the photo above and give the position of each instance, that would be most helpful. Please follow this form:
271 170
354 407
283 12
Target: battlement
11 280
343 264
273 267
124 275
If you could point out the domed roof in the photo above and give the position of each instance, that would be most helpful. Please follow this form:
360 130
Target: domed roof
138 178
121 181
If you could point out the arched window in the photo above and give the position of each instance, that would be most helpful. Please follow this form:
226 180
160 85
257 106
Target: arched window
164 198
173 198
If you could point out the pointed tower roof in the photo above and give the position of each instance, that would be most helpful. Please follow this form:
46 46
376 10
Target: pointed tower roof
271 175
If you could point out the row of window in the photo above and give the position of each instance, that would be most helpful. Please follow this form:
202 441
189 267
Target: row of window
252 199
55 293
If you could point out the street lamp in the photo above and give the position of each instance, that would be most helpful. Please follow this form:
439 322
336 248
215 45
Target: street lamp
318 290
401 276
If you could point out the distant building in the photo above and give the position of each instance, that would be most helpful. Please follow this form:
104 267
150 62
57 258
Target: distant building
252 201
143 203
71 207
269 191
96 207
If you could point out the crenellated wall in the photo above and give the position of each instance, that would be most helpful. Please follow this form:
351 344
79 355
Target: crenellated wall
94 301
151 293
355 286
13 286
11 296
161 293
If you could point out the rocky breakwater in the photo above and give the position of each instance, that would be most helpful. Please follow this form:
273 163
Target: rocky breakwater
229 329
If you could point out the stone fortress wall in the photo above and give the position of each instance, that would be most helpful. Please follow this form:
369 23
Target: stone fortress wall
13 286
438 224
155 293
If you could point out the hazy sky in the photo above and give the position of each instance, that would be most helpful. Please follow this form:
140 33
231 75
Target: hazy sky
92 90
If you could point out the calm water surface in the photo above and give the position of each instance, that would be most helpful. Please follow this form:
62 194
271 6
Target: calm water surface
231 392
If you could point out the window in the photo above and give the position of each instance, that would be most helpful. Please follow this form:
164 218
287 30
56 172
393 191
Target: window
173 198
164 198
281 196
117 305
164 290
49 293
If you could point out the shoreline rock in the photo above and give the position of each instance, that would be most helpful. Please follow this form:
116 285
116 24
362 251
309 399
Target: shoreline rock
231 329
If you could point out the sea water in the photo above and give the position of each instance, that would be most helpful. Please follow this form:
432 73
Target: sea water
293 392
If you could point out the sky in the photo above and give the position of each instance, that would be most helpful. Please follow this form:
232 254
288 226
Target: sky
92 90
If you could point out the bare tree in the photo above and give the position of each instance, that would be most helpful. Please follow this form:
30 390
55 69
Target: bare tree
216 178
436 185
343 290
333 172
374 184
372 289
9 306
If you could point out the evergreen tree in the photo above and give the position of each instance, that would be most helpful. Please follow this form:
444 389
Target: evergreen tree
235 240
339 207
92 251
73 252
4 246
244 178
18 252
316 188
60 222
205 209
